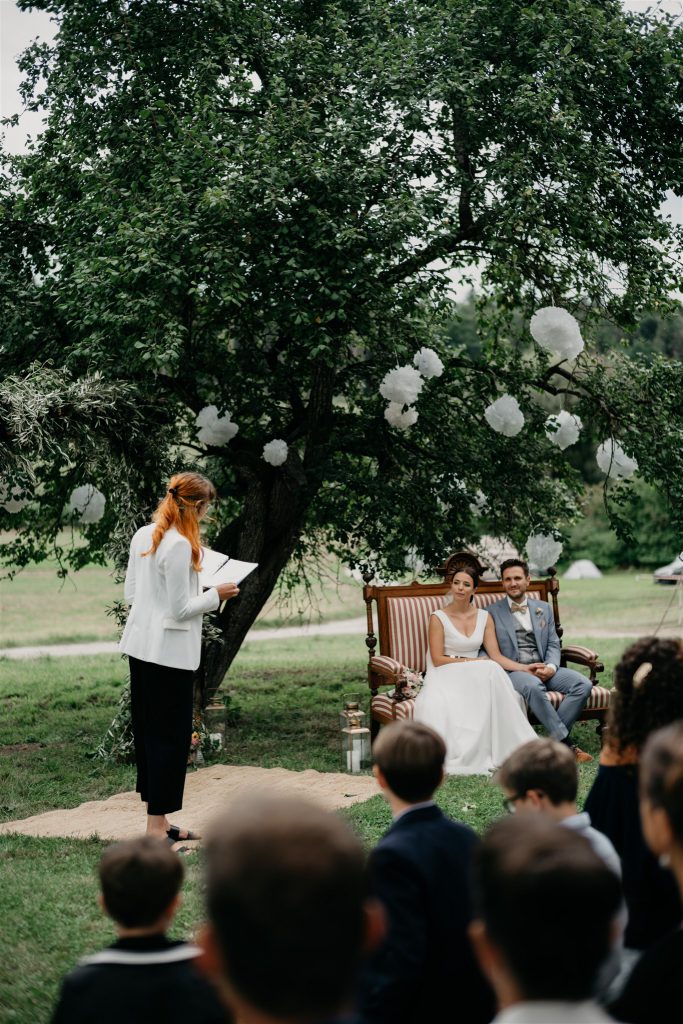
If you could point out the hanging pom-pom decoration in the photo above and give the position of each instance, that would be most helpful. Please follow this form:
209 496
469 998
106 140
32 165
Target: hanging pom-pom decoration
479 504
563 429
275 452
87 504
505 416
214 429
613 460
413 562
428 363
396 417
13 499
543 550
557 331
401 385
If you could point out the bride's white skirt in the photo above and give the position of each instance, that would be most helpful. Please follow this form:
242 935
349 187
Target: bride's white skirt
481 717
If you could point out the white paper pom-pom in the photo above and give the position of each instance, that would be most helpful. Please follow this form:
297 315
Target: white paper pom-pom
557 331
401 385
563 429
505 415
275 452
613 460
543 550
428 363
214 429
395 416
13 499
413 562
87 504
479 504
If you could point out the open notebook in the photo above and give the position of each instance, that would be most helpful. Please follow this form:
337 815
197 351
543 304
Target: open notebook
218 568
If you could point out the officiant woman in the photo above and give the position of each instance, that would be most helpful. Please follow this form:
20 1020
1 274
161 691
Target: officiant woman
162 639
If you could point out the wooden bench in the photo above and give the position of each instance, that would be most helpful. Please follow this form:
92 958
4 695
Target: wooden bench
402 617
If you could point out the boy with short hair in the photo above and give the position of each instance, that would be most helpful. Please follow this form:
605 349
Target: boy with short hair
143 976
541 777
541 955
289 918
425 970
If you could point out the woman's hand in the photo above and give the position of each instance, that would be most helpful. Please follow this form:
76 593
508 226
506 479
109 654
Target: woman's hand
227 590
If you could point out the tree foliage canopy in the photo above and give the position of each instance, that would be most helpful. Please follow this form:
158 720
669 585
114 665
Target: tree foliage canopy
259 206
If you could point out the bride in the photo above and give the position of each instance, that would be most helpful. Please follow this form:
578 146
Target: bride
470 700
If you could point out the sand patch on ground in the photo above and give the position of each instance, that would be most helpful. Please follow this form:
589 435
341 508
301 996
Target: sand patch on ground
208 791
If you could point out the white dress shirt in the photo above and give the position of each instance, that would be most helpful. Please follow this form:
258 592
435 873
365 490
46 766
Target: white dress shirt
165 620
551 1012
524 618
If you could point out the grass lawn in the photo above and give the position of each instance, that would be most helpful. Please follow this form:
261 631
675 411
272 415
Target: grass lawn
54 712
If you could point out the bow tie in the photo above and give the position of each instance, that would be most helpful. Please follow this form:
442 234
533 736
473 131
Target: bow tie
518 607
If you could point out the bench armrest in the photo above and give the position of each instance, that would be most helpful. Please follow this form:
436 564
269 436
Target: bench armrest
584 656
384 671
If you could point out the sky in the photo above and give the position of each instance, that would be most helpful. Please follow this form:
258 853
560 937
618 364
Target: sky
19 28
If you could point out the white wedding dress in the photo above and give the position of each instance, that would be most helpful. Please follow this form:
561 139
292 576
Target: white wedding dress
472 704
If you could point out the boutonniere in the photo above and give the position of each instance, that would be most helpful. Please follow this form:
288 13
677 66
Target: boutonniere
542 623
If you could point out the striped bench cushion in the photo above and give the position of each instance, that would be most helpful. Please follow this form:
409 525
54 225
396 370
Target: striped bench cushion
385 709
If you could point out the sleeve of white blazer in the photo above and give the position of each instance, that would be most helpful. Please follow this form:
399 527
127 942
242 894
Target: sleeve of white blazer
129 584
176 563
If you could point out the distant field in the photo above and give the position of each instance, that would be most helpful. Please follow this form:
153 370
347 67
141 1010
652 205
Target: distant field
36 607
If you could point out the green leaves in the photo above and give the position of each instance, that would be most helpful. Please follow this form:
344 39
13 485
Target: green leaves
275 250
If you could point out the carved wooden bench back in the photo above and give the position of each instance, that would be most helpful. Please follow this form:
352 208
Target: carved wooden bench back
403 614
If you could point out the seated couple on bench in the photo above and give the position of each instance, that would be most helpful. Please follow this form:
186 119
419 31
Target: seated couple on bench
478 704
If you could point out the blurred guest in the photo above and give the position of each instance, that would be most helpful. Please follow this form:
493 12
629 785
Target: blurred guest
655 989
143 976
542 778
289 914
420 871
648 695
544 904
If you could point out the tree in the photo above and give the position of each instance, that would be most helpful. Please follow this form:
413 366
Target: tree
257 206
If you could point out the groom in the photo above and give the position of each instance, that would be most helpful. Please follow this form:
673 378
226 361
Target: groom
525 630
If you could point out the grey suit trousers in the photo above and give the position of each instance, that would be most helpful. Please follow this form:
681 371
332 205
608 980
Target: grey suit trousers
535 693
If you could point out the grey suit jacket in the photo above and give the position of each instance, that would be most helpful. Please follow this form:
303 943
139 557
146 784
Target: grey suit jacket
543 623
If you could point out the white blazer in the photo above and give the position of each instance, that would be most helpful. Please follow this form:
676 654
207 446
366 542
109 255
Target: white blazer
165 620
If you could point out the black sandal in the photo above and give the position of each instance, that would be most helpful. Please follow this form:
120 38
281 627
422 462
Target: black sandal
174 835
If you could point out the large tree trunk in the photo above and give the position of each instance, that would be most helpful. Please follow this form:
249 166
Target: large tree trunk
267 532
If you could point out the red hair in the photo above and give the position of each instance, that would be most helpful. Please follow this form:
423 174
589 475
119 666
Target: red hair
180 507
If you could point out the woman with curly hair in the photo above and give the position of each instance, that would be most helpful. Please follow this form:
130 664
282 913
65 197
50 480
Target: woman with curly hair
162 639
648 684
655 989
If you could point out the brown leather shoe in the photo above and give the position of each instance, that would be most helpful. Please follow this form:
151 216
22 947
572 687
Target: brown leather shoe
581 756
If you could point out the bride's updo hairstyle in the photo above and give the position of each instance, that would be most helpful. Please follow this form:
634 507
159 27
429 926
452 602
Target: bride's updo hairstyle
187 496
453 570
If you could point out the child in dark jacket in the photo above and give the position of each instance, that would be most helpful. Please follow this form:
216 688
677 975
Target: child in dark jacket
143 976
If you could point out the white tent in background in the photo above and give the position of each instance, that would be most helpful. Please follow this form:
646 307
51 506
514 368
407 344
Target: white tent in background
584 569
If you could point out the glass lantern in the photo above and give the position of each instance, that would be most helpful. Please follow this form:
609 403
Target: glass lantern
214 719
355 737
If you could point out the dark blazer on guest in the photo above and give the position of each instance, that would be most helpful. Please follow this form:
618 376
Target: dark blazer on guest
425 970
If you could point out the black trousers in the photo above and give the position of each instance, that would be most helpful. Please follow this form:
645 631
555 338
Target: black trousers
161 713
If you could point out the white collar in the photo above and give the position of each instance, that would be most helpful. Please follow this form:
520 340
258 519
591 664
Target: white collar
510 600
552 1012
414 807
